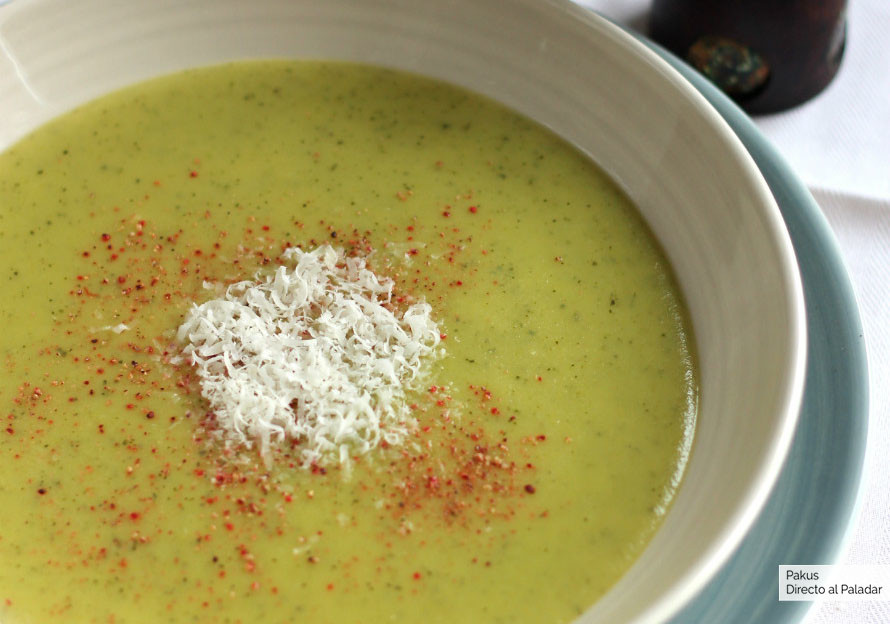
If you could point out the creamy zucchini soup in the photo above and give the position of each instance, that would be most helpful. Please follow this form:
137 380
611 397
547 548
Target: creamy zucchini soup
321 342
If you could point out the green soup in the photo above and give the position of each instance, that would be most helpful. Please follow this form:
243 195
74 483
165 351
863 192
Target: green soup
551 434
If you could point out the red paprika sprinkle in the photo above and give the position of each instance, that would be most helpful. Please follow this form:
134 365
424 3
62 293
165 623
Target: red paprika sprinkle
193 174
473 209
530 488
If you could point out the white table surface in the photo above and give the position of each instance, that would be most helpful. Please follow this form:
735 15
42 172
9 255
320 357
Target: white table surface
839 145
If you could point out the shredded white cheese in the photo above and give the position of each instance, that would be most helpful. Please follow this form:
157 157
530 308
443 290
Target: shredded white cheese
317 353
117 329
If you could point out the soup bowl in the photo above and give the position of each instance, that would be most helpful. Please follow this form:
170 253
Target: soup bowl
590 83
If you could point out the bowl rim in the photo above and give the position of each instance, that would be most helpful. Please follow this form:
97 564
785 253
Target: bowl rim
714 557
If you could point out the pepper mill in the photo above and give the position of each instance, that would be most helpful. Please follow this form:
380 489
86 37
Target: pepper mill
767 55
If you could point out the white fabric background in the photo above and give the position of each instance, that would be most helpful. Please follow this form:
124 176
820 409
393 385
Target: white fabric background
839 145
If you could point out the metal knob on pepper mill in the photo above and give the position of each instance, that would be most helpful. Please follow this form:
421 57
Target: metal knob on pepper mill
768 55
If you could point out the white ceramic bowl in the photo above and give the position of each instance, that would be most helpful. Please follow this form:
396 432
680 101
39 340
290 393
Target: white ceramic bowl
589 82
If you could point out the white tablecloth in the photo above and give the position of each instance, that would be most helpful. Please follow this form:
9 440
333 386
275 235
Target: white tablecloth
839 145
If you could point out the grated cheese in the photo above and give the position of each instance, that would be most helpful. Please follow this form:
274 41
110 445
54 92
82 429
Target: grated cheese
314 353
117 329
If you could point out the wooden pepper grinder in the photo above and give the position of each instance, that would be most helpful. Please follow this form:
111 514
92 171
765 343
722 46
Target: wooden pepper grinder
768 55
